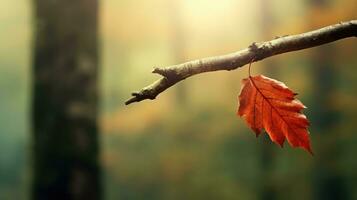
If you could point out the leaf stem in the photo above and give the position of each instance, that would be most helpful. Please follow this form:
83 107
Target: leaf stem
249 67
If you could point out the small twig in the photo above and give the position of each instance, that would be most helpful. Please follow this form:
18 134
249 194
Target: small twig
257 51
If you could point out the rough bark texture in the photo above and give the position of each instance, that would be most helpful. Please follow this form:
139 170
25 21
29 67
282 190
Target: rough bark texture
65 136
257 51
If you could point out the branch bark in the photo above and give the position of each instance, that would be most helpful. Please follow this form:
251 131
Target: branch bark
256 51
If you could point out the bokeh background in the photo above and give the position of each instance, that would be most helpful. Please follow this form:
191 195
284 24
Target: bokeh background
189 143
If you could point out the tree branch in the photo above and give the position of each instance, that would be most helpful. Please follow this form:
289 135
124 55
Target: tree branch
257 51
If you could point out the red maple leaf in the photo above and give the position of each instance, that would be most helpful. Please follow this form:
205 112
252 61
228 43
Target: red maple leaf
270 104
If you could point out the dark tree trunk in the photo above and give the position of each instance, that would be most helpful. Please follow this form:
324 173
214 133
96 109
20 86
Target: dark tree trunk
328 182
64 110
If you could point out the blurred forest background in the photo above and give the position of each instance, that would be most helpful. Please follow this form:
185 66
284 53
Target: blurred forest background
188 143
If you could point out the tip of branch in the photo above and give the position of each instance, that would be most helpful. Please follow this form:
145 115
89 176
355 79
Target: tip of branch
139 96
131 100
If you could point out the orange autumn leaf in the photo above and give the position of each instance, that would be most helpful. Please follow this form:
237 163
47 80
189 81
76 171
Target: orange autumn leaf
270 104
